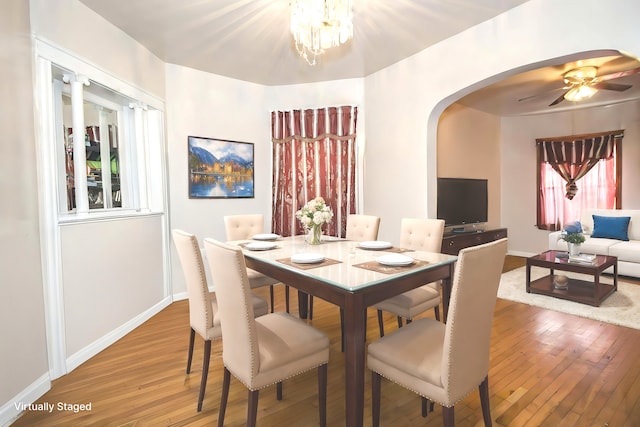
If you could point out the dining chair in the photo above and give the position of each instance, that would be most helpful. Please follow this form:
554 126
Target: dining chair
203 308
244 227
445 362
261 351
421 235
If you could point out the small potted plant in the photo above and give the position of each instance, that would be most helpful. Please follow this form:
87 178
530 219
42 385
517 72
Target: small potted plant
572 234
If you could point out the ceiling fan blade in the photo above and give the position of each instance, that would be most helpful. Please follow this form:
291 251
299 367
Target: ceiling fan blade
619 74
611 86
558 99
526 98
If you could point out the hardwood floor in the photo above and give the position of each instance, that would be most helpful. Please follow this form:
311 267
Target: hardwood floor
547 369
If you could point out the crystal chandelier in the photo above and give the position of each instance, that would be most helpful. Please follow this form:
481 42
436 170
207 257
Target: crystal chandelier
317 25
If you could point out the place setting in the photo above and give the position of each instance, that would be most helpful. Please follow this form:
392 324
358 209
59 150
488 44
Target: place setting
380 245
391 263
308 260
262 242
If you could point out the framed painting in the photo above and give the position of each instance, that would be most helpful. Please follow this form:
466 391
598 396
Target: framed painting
220 169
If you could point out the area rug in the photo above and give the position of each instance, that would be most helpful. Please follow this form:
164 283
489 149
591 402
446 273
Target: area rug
621 308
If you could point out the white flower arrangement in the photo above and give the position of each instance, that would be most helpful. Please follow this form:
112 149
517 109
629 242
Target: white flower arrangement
315 212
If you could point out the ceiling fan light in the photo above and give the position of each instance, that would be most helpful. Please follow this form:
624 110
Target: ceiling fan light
578 93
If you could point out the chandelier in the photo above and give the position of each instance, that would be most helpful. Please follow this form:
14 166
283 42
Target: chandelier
317 25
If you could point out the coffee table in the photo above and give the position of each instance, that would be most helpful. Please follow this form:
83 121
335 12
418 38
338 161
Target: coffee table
582 291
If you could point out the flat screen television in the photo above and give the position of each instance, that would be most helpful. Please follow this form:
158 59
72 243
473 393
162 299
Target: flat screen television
462 201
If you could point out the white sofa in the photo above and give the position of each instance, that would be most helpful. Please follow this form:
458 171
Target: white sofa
628 253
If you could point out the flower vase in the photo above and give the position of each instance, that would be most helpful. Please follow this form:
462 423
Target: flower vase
574 248
315 235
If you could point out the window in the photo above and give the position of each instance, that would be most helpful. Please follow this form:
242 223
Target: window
576 173
102 149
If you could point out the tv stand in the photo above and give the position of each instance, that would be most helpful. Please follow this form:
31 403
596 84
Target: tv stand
455 240
462 230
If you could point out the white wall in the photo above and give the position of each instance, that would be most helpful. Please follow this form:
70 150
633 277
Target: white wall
207 105
404 101
469 147
519 164
112 272
72 25
23 358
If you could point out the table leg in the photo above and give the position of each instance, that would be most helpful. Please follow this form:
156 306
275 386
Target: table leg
303 304
528 280
446 293
354 360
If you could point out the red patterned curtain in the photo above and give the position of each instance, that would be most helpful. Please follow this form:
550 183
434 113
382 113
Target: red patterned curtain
314 155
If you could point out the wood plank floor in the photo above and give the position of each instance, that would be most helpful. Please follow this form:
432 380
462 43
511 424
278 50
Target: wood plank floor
547 369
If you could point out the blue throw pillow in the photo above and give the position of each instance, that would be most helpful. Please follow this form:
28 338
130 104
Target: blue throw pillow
611 227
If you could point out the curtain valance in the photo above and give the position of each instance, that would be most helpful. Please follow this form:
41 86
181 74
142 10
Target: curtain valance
573 156
337 123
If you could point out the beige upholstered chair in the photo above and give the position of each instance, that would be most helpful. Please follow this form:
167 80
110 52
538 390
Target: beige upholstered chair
445 362
243 227
266 350
361 228
203 308
421 235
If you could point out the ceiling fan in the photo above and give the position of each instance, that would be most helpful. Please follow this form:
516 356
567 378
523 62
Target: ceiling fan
583 82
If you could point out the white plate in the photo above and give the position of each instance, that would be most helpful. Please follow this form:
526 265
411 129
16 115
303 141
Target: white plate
375 244
260 246
307 258
395 260
266 236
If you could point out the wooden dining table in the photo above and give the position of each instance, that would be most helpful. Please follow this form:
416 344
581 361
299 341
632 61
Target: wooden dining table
352 278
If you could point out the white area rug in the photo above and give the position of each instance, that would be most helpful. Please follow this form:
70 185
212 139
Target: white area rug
621 308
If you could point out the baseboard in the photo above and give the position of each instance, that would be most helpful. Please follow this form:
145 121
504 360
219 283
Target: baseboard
181 296
97 346
12 410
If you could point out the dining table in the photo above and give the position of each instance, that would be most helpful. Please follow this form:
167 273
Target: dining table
353 276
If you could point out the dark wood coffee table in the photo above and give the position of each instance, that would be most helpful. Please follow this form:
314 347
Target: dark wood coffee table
592 293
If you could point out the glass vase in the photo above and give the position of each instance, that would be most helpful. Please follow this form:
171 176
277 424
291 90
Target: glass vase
574 248
315 235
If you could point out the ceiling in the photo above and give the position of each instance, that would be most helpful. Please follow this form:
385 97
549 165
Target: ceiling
250 40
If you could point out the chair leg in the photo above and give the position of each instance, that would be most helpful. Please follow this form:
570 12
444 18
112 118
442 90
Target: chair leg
252 408
436 311
271 298
279 390
192 337
286 297
224 396
380 323
409 320
310 315
425 407
205 372
448 419
484 402
322 393
376 383
399 322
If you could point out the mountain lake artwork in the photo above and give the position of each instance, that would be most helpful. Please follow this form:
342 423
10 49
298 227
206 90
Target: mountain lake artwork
220 169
